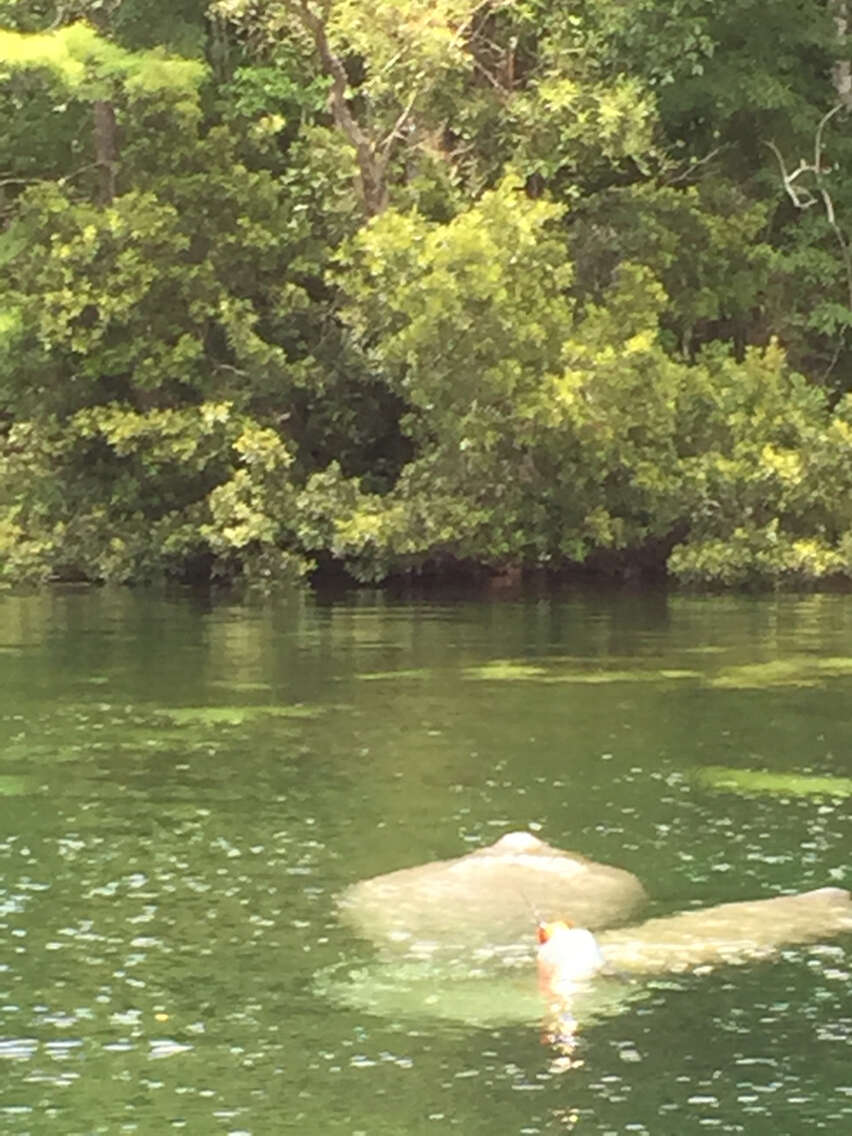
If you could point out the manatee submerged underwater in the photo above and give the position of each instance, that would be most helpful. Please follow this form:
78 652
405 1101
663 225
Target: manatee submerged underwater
456 938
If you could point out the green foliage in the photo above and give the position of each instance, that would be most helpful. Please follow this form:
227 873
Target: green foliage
403 44
255 92
541 432
179 26
88 66
485 293
114 494
703 242
554 342
148 295
563 124
87 288
771 473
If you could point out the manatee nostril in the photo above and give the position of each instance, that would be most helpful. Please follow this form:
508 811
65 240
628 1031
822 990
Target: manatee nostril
519 842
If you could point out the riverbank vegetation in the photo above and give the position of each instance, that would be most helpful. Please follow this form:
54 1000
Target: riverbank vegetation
425 285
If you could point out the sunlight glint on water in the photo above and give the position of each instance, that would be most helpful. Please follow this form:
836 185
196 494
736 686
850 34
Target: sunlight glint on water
185 788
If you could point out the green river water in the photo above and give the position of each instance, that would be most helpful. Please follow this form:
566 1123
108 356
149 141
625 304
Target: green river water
185 787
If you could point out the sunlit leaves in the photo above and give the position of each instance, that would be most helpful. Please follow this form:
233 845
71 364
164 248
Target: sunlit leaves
536 353
484 294
146 494
539 426
89 66
92 275
756 557
771 473
565 124
404 42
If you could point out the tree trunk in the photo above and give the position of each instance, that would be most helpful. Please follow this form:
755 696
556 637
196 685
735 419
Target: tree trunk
106 148
841 72
372 165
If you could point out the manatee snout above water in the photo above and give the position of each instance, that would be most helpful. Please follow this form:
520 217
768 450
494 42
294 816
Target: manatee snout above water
489 898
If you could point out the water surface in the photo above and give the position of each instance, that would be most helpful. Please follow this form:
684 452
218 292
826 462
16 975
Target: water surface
186 786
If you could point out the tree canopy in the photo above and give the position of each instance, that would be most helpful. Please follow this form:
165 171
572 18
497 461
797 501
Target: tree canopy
423 286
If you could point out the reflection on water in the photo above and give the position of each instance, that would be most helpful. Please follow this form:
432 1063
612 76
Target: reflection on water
186 787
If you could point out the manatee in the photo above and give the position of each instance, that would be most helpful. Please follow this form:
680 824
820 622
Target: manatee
457 938
489 899
728 933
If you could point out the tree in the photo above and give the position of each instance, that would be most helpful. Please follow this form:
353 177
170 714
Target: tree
495 283
89 69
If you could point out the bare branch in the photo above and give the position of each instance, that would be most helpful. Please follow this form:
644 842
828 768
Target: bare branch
841 72
398 126
483 70
59 181
372 153
818 137
76 173
20 181
234 370
465 25
690 170
832 364
371 172
803 198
